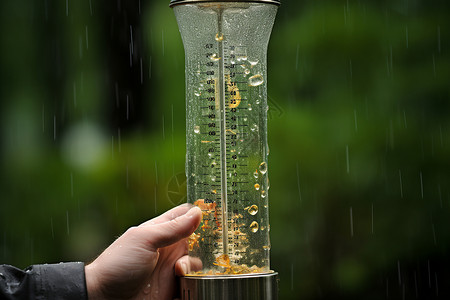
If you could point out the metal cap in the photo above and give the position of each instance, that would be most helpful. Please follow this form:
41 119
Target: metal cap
179 2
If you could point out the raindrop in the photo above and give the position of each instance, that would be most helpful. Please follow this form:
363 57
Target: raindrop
351 221
263 194
128 107
254 226
254 127
147 289
87 38
74 94
347 159
71 185
54 127
263 168
197 93
439 38
219 37
67 222
298 185
253 63
246 72
421 184
215 57
255 80
142 71
131 40
257 186
242 57
197 129
407 38
255 174
253 210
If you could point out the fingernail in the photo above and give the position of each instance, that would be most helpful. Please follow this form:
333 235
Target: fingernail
184 268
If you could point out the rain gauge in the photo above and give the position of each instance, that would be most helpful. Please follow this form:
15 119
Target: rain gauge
225 46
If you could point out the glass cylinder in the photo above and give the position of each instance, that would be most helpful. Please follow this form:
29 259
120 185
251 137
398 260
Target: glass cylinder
226 110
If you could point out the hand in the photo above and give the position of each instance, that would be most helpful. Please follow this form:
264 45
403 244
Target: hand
143 262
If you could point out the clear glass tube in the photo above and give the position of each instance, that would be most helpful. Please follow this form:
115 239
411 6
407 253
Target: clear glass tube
226 161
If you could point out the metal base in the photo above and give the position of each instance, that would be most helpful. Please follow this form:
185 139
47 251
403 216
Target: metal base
230 287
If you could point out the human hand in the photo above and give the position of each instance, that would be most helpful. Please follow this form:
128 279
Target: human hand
143 262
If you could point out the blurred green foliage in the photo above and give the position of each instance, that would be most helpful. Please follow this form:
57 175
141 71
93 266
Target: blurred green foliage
93 137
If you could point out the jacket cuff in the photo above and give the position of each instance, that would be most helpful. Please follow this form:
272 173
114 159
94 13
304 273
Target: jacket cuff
60 281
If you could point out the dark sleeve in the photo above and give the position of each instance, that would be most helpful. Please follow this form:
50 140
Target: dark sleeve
54 281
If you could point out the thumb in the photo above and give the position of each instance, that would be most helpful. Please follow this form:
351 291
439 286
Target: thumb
170 232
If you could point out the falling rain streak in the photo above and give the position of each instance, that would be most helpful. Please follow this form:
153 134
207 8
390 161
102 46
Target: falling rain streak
298 185
351 221
347 159
401 183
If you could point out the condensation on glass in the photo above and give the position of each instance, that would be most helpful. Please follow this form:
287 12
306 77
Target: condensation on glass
226 162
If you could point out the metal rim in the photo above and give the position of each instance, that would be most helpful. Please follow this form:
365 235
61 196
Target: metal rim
179 2
231 277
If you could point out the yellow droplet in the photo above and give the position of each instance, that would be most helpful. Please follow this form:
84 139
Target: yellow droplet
253 209
215 57
257 186
263 194
219 37
254 226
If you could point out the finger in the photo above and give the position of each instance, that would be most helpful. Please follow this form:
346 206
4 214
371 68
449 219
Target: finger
169 215
167 233
187 264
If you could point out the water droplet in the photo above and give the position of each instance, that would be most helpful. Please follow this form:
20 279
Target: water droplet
210 155
254 127
197 93
257 186
253 62
246 72
255 80
219 37
255 174
266 247
263 168
254 226
215 57
147 289
197 129
253 210
245 119
263 194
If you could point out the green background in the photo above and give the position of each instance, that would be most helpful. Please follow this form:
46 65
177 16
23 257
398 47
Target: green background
92 134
